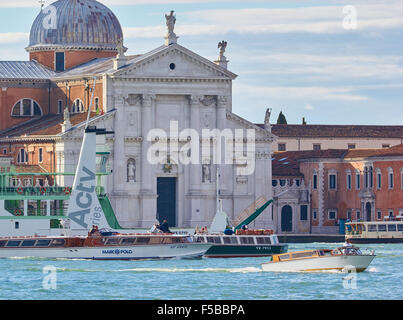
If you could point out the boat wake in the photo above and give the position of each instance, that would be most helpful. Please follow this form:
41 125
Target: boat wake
214 270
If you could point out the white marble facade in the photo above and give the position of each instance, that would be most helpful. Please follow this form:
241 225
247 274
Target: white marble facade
172 83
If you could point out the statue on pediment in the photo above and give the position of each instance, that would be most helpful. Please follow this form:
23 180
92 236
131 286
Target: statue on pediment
222 46
171 37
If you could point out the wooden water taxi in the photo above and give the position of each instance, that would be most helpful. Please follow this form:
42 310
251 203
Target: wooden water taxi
346 258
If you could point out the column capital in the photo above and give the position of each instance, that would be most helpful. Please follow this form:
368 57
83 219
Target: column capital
148 99
195 99
222 101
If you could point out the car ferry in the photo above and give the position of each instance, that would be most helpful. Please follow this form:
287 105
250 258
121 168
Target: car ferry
374 232
87 210
346 258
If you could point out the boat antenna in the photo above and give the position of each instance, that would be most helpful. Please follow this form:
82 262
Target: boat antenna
92 99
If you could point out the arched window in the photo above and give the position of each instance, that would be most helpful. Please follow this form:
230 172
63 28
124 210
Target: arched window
22 156
26 108
77 106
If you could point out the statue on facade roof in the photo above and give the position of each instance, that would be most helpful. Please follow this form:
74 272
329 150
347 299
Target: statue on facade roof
120 47
66 115
222 46
171 36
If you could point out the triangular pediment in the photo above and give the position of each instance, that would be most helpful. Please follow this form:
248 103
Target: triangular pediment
173 61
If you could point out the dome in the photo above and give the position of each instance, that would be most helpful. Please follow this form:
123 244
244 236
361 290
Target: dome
75 25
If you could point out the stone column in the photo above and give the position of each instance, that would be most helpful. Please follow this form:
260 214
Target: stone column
148 198
146 127
226 170
119 165
195 169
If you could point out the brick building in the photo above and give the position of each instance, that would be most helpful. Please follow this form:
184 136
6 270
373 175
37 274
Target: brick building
314 190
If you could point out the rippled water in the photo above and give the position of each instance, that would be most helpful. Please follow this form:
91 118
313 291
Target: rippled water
213 279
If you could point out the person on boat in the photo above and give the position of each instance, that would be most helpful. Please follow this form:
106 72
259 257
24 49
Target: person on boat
245 227
164 227
155 228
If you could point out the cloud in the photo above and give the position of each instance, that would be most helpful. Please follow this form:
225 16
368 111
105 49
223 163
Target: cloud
300 93
13 37
308 106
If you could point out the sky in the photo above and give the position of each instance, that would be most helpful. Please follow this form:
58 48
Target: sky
329 61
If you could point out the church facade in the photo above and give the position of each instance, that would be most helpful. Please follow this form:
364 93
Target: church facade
158 104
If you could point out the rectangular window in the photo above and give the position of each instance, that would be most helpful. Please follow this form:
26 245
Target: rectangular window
332 215
315 181
304 212
40 155
59 63
60 106
401 180
316 146
96 104
358 214
281 147
349 215
315 214
372 228
379 213
5 152
332 181
351 146
385 145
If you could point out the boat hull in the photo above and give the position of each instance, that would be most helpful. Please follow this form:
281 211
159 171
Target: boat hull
240 251
169 251
374 240
356 263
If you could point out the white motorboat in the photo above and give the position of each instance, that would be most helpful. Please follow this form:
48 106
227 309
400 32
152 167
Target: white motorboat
347 259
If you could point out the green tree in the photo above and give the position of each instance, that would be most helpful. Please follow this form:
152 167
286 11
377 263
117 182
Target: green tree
281 118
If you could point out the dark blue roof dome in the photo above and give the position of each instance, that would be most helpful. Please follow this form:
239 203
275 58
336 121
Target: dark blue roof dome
75 24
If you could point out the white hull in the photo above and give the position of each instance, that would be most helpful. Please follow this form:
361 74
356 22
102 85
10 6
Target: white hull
167 251
341 262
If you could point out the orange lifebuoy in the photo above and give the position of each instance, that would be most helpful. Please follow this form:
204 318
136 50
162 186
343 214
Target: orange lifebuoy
20 190
18 212
67 190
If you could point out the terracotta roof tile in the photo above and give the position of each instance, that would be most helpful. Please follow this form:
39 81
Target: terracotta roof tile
294 130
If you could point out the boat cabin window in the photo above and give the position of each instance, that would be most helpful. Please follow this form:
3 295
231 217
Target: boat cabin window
274 240
382 227
28 243
372 228
3 243
303 254
112 241
247 240
230 240
13 243
400 227
284 257
42 243
58 242
128 241
263 240
214 240
143 240
177 240
392 227
200 239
